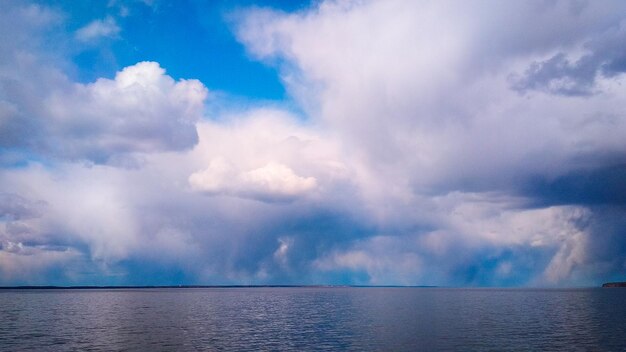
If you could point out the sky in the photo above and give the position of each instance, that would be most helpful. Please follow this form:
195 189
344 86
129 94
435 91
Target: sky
391 142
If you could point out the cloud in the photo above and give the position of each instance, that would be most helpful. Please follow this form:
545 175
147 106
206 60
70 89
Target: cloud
264 154
44 114
124 221
439 114
475 240
141 110
15 207
21 265
377 261
98 29
576 73
26 257
434 143
529 115
272 181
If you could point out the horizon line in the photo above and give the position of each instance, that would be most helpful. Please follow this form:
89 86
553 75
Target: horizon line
87 287
193 286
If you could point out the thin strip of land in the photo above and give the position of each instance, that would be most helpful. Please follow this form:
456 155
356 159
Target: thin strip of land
183 286
614 284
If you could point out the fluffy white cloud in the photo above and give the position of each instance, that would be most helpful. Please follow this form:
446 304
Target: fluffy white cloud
141 110
273 181
267 155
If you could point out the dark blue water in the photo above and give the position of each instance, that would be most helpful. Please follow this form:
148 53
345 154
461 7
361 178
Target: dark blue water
304 319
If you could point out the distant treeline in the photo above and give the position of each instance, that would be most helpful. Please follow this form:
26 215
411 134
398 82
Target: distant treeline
614 284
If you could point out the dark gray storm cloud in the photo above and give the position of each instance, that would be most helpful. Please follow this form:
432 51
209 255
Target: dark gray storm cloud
603 186
601 55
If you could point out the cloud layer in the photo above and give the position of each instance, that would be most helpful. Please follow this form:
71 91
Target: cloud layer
436 144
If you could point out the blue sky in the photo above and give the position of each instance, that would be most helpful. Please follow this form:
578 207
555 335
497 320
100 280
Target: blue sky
190 38
312 142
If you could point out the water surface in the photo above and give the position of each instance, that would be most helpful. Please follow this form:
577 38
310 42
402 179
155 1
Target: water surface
313 319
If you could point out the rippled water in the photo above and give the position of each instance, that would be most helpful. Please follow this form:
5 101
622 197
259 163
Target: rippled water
302 319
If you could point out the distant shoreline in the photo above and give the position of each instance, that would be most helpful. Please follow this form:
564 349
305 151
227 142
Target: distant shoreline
614 284
116 287
193 286
129 287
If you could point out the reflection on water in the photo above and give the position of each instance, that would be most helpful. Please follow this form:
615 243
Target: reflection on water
302 319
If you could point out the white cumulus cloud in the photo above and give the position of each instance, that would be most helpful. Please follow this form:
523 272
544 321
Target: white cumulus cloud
272 181
140 110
